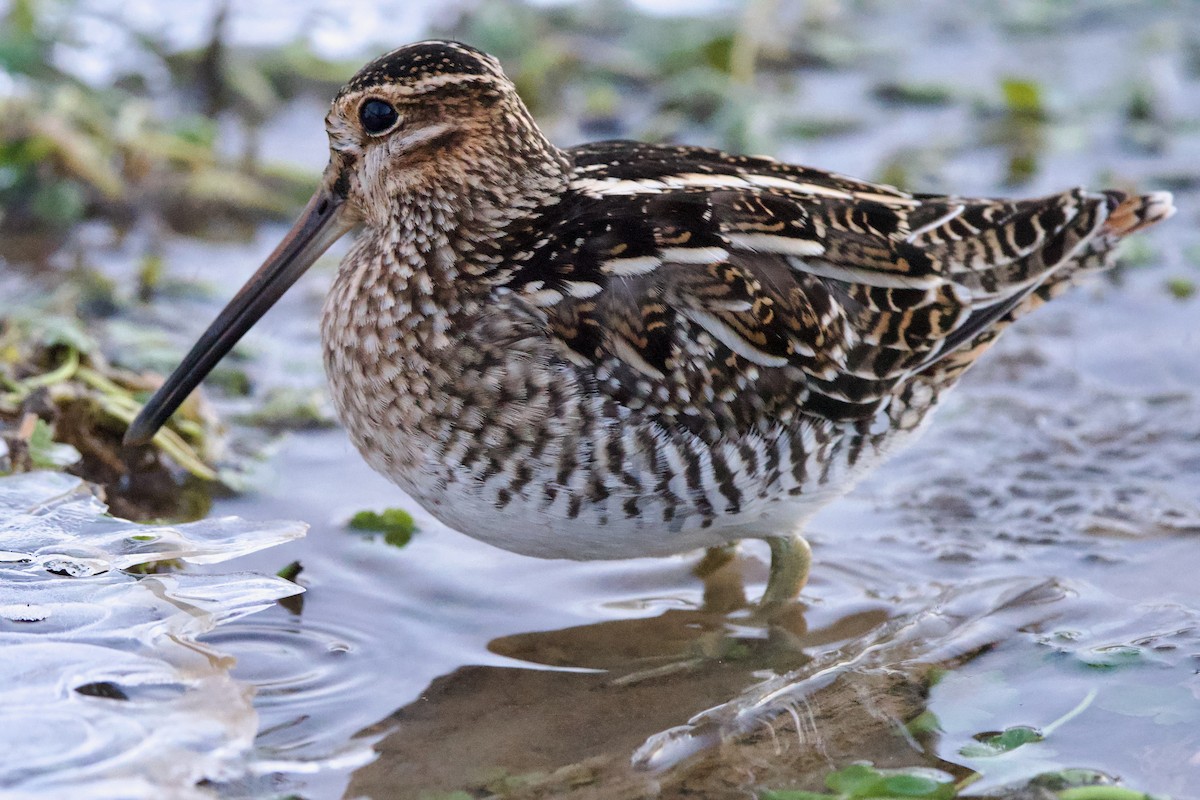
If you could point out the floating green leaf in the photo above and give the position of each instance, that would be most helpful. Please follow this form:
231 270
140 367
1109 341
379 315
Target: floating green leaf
918 783
856 780
1068 778
396 525
1023 98
286 408
1113 657
863 781
993 744
925 722
1103 793
1181 288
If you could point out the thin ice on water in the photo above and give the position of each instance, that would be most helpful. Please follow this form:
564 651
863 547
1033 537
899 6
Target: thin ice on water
104 691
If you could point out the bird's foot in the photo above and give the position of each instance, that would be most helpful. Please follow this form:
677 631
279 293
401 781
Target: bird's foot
791 559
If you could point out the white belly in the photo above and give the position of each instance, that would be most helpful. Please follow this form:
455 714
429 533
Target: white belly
528 527
530 524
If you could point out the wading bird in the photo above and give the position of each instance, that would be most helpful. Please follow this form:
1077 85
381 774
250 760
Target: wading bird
624 349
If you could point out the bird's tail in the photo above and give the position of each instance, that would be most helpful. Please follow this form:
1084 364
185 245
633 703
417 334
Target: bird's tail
1126 214
1129 214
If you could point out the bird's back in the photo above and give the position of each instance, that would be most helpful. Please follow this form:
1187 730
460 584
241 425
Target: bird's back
716 292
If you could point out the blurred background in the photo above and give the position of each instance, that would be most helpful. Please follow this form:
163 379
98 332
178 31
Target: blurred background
151 154
124 110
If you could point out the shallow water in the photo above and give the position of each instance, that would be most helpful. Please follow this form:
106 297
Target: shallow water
1032 561
107 692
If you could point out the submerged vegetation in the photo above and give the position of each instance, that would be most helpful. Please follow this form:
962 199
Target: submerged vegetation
63 405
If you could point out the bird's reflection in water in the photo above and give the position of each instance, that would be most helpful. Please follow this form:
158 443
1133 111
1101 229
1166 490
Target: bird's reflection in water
591 691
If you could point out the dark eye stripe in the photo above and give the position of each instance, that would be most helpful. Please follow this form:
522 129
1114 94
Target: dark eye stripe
377 116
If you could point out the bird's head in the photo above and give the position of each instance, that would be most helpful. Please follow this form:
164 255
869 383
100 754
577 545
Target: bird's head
431 127
425 121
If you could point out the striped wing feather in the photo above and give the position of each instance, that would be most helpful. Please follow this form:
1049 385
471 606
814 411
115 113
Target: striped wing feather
665 266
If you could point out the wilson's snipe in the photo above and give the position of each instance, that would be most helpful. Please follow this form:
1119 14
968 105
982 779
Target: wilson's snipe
624 349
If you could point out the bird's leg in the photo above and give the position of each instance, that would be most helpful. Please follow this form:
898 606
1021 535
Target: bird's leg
724 591
791 559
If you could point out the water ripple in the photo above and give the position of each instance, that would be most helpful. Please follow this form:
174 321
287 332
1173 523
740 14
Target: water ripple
103 690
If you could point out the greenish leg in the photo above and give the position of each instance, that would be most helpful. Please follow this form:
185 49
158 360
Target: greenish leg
791 559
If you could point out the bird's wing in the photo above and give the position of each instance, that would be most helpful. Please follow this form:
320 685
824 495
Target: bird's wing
684 280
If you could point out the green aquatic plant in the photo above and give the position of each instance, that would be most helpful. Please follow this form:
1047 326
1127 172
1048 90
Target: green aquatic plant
1137 252
993 744
291 571
396 525
52 369
1181 288
1023 98
914 94
44 452
864 781
286 408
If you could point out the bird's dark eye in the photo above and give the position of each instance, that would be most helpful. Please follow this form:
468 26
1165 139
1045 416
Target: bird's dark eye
377 116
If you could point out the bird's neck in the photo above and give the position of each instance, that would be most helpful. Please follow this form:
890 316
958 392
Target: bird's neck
462 227
407 293
440 251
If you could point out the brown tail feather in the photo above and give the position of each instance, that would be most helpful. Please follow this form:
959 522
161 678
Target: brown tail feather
1126 215
1130 214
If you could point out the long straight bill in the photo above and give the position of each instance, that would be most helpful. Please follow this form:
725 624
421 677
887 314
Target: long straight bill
320 225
